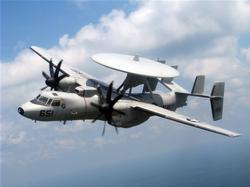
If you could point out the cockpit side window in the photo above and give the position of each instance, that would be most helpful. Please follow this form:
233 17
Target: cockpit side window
56 103
40 100
49 102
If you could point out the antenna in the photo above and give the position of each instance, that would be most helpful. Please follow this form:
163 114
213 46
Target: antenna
136 58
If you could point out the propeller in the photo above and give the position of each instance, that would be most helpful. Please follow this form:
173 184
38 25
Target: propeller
53 80
106 107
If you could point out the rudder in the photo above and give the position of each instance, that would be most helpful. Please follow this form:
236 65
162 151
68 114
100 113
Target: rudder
198 87
216 99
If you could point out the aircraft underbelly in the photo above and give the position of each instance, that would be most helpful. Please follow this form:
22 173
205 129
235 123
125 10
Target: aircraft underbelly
132 118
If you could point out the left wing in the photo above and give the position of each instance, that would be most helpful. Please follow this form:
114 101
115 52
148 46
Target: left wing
158 111
48 58
79 76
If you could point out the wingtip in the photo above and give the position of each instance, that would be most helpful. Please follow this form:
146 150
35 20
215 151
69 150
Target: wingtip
32 47
234 135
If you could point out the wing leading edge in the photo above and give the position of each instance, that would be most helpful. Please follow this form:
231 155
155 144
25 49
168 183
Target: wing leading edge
79 76
158 111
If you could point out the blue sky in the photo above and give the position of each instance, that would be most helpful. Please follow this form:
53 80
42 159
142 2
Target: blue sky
44 22
201 37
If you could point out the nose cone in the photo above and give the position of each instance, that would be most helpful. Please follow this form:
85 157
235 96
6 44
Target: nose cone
20 110
30 110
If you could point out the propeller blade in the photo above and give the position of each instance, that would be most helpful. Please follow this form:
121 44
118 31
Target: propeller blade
45 75
98 117
104 128
58 69
108 117
43 88
51 69
116 130
95 105
99 90
106 106
116 99
109 92
61 77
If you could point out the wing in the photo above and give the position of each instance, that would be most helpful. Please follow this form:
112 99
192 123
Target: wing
79 76
158 111
48 58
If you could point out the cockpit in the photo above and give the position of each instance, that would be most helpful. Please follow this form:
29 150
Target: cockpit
45 101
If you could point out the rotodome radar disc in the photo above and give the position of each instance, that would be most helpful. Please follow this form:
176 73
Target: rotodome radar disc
135 65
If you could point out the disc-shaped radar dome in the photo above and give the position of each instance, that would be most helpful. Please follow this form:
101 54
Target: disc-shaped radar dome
135 65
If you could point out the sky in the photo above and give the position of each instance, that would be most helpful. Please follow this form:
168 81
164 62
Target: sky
210 38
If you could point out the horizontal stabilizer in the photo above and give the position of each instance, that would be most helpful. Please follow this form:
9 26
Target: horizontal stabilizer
216 97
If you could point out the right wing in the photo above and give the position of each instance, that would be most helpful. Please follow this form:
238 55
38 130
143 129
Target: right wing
79 76
158 111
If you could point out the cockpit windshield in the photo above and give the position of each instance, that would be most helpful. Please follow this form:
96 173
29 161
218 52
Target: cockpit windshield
41 100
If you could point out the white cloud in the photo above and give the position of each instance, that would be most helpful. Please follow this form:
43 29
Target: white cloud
24 68
68 144
246 53
101 141
218 68
10 134
152 26
137 135
76 127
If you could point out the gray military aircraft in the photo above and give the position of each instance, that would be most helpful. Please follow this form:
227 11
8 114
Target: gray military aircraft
75 95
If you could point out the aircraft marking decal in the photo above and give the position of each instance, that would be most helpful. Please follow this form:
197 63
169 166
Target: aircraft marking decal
46 113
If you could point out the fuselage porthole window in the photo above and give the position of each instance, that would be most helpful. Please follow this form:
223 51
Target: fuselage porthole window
56 103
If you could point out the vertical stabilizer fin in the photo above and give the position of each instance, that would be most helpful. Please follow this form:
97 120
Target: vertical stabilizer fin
198 87
216 99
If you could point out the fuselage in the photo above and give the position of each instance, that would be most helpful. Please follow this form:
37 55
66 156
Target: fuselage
61 106
76 103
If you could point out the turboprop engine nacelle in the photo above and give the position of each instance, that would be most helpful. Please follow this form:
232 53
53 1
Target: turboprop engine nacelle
131 118
167 99
86 91
67 82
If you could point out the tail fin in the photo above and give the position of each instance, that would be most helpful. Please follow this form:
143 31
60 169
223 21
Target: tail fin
216 97
198 87
216 100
